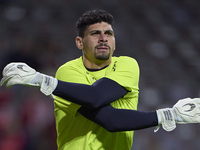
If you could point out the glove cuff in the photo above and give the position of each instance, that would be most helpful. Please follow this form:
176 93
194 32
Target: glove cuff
48 84
166 118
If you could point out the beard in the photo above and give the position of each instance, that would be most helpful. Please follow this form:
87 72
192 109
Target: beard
103 55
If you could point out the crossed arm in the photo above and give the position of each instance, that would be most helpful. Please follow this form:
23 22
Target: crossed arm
104 91
95 101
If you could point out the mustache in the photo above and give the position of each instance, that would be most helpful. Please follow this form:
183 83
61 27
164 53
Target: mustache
102 44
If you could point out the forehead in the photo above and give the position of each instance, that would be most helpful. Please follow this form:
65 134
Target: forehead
102 26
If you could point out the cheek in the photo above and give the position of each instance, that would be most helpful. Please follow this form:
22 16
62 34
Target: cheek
88 47
89 44
113 45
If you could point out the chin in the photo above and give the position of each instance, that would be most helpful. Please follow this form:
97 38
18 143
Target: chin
103 56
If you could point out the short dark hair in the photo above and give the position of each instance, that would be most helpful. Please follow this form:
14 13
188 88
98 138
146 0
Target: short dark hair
92 17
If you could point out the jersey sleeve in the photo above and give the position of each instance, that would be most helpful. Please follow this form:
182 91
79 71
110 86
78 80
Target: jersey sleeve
126 73
68 73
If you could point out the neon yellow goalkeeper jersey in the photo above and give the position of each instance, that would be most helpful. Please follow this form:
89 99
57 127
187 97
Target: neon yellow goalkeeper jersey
74 131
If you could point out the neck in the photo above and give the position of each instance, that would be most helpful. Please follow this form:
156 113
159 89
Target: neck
97 64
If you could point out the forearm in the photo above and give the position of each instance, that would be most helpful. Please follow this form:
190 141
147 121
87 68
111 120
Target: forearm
102 92
115 120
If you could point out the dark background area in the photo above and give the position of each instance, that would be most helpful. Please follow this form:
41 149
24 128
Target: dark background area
162 35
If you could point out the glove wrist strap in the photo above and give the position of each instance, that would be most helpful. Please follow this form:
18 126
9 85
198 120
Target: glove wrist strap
166 118
48 85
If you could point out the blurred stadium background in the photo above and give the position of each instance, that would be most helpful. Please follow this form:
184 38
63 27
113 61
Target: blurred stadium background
162 35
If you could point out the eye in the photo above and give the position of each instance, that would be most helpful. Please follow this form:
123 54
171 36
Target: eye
109 33
95 33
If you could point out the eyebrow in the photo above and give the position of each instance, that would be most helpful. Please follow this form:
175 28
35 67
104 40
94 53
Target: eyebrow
97 31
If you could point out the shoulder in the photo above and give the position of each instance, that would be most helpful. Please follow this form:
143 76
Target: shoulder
74 62
73 65
125 60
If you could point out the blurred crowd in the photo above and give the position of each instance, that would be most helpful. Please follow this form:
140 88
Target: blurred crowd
162 35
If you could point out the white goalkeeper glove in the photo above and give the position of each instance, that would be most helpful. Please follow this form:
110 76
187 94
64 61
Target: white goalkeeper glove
184 111
21 73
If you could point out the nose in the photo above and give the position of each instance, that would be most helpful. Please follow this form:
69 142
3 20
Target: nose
102 38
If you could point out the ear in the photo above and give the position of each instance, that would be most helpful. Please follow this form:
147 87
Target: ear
79 42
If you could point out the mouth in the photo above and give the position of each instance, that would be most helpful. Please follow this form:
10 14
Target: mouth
103 48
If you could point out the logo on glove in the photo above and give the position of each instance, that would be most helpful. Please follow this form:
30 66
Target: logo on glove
192 106
21 68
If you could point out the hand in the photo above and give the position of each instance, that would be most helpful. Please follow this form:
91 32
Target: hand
188 110
21 73
184 111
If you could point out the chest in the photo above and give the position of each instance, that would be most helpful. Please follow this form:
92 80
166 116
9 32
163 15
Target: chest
93 76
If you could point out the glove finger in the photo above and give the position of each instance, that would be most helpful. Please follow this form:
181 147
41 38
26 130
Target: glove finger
4 80
15 67
182 101
12 81
7 77
197 101
7 68
8 80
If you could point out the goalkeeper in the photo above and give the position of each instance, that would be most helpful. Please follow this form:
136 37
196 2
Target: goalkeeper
96 95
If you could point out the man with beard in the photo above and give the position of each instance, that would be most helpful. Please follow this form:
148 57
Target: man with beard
96 95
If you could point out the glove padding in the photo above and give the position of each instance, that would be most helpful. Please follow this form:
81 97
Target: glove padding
21 73
183 112
188 110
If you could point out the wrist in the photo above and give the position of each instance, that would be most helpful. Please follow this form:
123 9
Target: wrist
48 84
166 118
